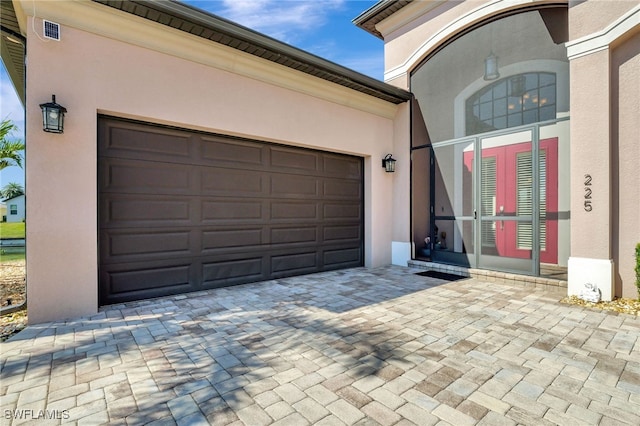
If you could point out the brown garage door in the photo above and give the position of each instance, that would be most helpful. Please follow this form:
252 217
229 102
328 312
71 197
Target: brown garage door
182 211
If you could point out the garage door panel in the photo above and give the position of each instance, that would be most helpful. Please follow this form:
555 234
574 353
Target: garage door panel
232 271
130 211
126 141
120 246
204 211
339 189
223 211
351 232
295 159
289 186
295 262
227 238
341 211
290 235
110 295
232 152
148 177
122 282
344 257
294 211
342 167
143 242
229 182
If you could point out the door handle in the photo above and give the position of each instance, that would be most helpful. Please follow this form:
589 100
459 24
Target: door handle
475 214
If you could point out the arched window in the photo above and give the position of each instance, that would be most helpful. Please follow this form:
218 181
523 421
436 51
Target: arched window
512 101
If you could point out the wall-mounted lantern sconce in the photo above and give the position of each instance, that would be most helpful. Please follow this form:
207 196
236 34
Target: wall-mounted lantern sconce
491 67
53 116
389 164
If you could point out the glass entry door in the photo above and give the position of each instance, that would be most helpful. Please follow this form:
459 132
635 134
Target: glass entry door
505 198
453 203
491 198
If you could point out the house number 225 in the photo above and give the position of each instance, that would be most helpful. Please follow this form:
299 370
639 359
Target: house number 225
587 193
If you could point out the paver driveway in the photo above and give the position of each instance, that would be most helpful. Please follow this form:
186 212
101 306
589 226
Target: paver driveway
362 346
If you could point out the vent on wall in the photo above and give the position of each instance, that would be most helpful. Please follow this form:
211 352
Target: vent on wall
51 30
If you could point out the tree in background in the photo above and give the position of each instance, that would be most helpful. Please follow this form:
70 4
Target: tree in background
11 190
10 150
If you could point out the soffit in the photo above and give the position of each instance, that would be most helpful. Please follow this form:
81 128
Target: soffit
368 19
12 45
211 27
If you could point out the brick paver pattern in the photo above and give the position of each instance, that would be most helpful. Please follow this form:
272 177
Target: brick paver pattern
357 347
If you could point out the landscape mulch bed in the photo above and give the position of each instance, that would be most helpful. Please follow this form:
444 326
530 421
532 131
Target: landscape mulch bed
12 282
12 292
621 306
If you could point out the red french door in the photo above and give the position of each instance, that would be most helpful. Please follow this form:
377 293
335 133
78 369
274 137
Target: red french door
514 239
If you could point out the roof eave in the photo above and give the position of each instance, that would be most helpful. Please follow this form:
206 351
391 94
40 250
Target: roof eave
12 47
368 19
258 44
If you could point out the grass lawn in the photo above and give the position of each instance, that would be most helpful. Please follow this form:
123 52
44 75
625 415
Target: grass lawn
11 254
11 230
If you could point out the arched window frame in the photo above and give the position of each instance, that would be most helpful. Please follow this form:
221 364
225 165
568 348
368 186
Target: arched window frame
559 68
511 102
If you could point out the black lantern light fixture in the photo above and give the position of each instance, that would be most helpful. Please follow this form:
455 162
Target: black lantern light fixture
389 164
53 116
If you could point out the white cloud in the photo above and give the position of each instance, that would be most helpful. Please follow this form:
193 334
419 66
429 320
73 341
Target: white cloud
284 20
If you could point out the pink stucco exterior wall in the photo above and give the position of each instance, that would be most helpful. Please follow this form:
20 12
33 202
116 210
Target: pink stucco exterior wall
605 130
92 74
625 60
591 16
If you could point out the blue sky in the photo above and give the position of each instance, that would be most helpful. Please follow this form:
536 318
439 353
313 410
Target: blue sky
11 108
321 27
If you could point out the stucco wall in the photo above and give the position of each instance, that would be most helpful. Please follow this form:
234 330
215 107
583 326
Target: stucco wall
605 129
590 155
402 43
588 17
400 197
92 74
625 70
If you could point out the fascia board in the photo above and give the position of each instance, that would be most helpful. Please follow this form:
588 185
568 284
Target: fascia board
406 15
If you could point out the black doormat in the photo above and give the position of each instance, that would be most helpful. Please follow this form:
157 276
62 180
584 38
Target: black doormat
441 275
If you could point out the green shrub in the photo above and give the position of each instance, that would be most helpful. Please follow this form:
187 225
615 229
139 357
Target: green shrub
638 269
